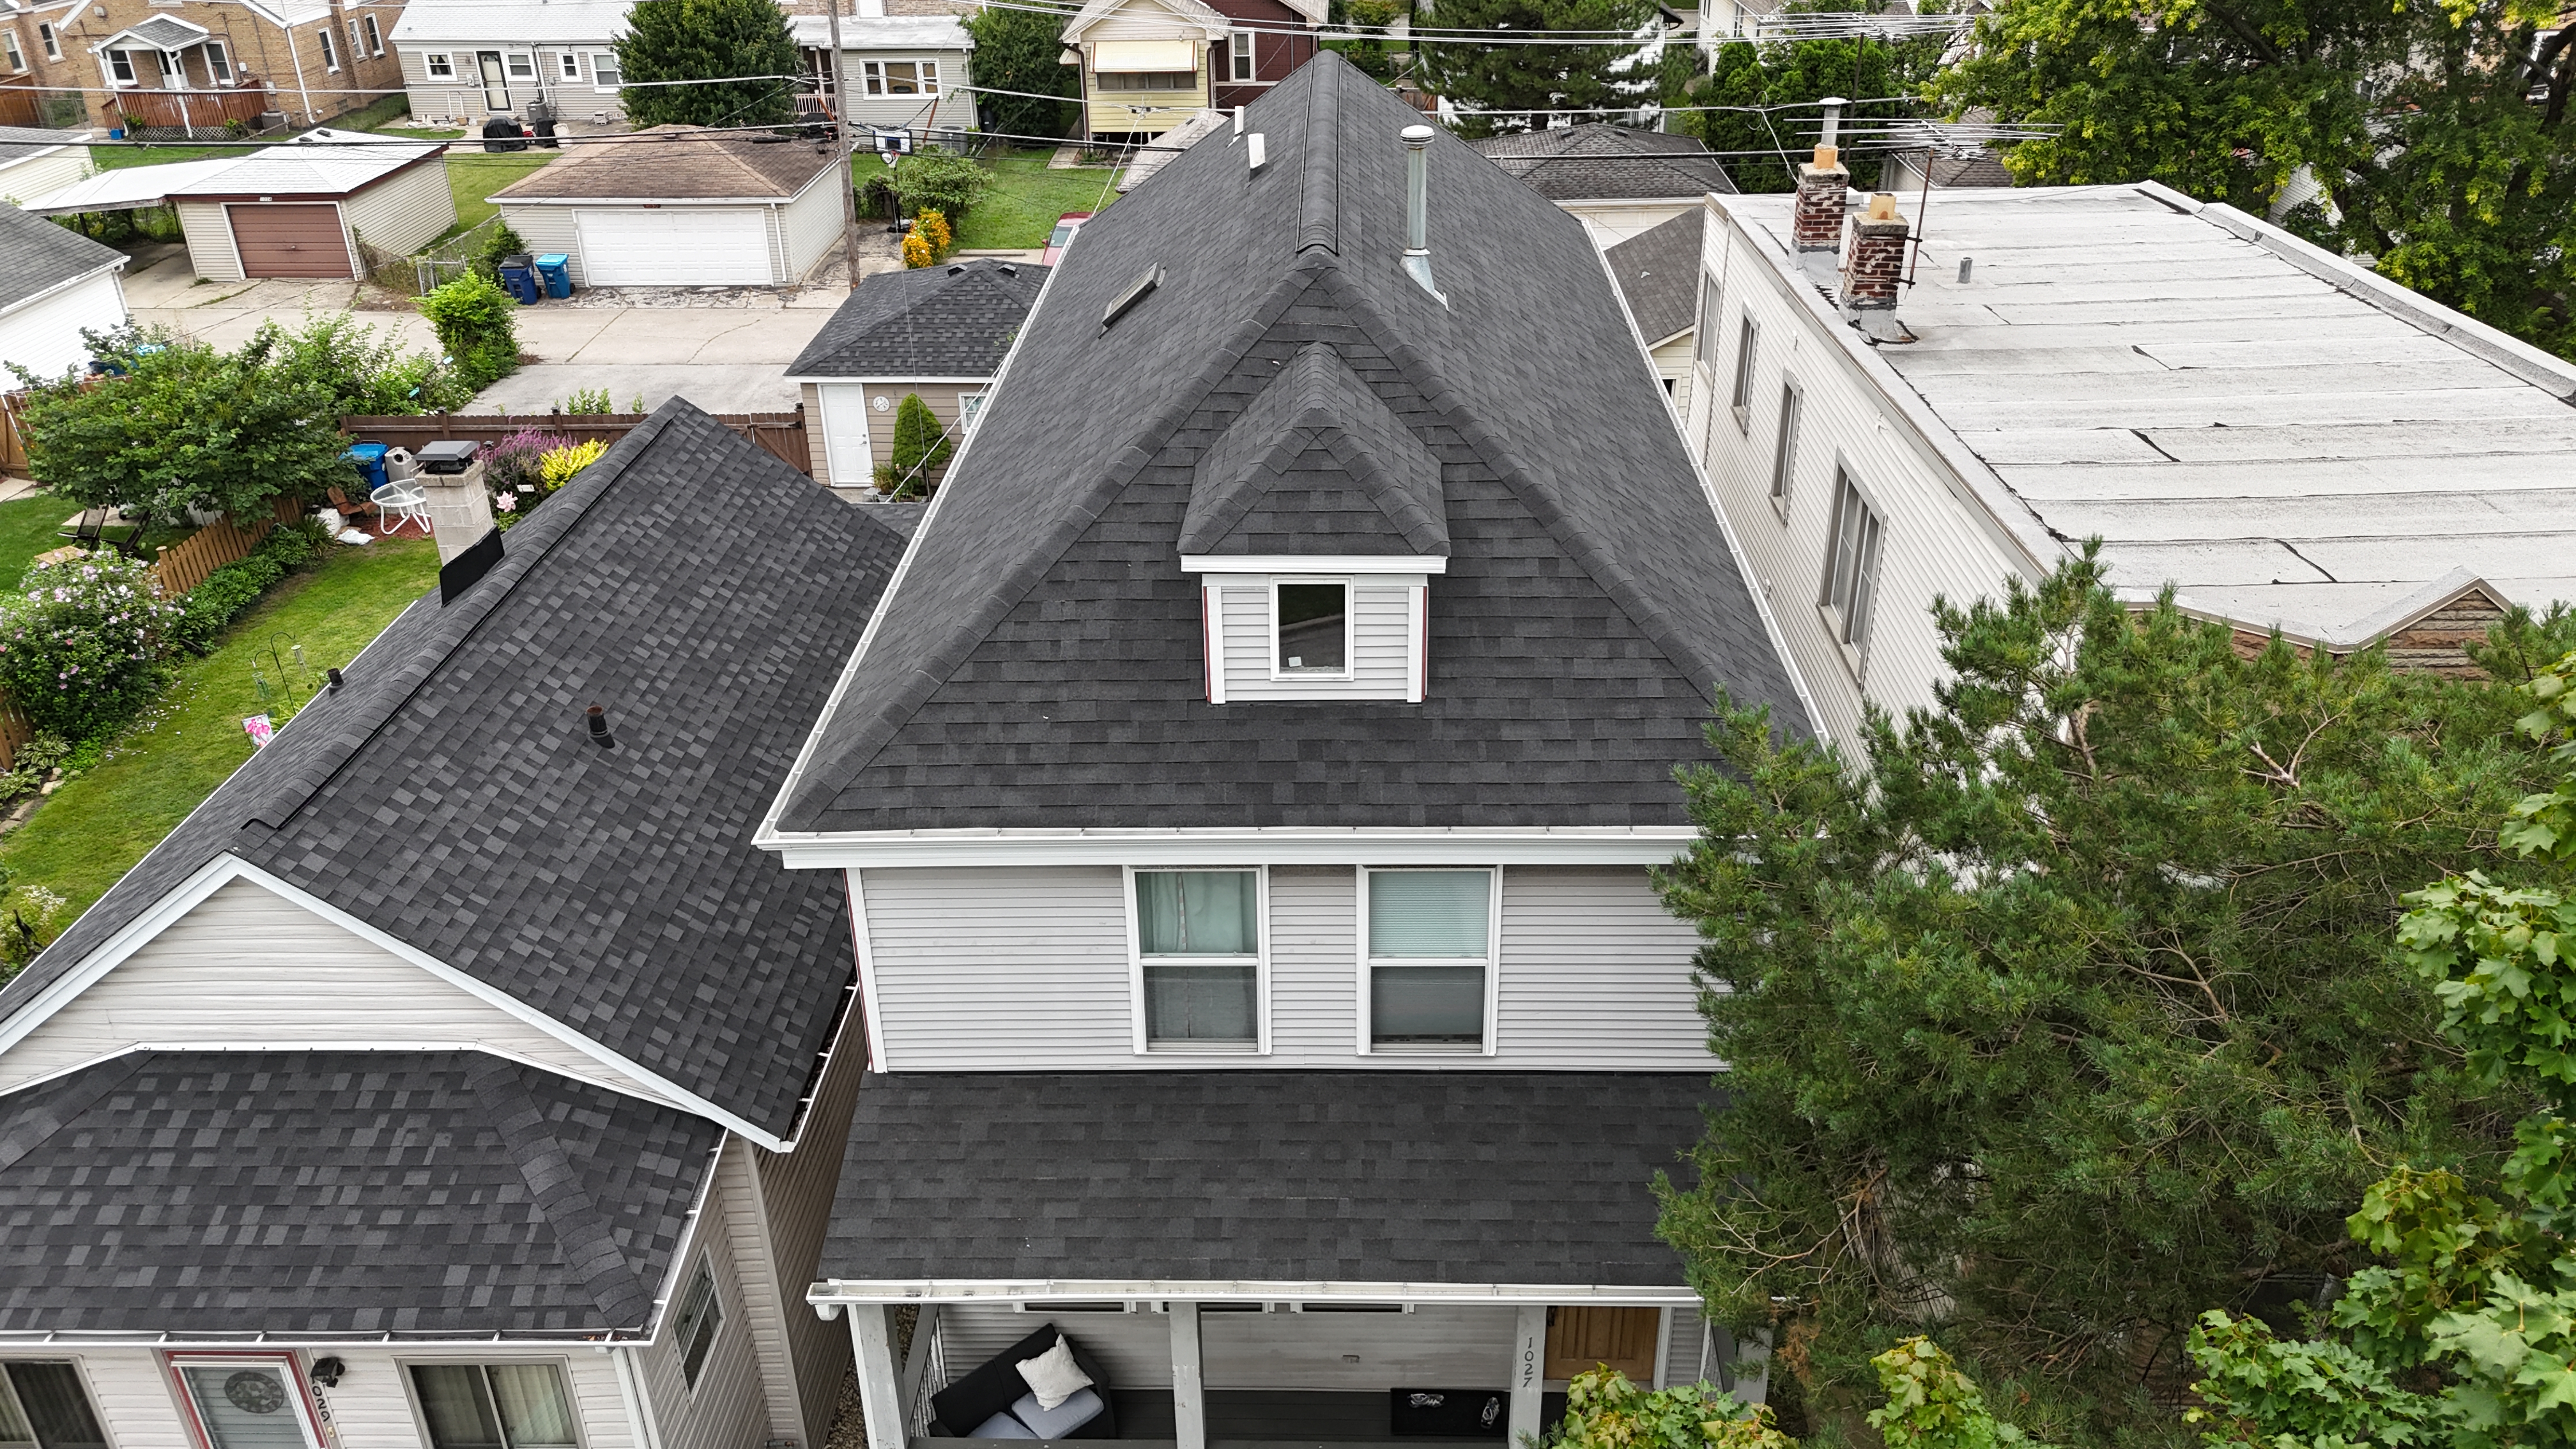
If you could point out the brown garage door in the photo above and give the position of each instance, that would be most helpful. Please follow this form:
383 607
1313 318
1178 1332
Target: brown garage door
281 239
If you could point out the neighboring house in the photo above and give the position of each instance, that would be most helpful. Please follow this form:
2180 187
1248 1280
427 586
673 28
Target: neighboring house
2285 438
464 60
450 1079
939 331
1149 65
899 71
53 283
316 207
1619 180
197 68
1949 173
1248 792
34 161
1658 275
689 208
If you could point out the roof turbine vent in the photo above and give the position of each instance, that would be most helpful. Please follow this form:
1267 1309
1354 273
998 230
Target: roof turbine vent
1417 209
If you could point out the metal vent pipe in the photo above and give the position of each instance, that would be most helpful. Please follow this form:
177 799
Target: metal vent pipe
1417 208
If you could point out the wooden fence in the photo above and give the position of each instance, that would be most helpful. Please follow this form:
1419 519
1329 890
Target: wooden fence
13 442
782 434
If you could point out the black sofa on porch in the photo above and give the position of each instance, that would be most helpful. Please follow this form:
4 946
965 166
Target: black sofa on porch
995 1402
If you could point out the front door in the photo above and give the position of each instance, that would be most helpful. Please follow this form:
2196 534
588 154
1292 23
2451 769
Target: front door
496 82
845 434
1582 1339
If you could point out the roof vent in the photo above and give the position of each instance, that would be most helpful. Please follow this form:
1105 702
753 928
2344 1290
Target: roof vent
599 734
1008 269
1136 292
955 268
1257 149
1417 209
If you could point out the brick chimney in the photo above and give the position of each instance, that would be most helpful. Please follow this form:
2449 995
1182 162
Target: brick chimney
1877 257
1817 223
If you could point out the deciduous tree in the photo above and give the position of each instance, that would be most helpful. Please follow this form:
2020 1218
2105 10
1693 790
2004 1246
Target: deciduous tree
742 47
1019 50
1494 86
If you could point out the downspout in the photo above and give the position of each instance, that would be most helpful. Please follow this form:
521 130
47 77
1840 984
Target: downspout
297 61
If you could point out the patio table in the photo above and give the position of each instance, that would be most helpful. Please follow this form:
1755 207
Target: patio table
399 501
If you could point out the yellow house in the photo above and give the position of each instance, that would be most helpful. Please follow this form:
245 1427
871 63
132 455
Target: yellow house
1145 63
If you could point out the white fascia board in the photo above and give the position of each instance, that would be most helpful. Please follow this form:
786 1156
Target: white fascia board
661 202
890 381
76 1339
1315 563
840 1291
1607 845
58 288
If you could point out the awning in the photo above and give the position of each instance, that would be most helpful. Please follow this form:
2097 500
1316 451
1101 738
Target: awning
127 188
1135 55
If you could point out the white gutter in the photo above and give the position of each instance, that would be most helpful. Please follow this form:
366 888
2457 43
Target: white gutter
830 1296
1303 845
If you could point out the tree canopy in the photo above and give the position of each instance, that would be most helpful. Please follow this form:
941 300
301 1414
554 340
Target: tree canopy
1018 50
708 40
2075 1013
1492 85
1879 77
2438 132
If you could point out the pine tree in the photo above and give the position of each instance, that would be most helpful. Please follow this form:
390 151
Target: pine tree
708 40
1508 78
921 446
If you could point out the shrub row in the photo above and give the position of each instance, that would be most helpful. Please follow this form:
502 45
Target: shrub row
237 585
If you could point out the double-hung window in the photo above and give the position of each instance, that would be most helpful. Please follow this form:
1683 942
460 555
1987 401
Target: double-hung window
1741 399
523 66
52 40
1429 944
1198 959
219 66
1851 571
10 52
120 67
330 48
604 74
570 61
1704 341
357 41
693 1330
439 67
970 406
43 1406
1239 52
1784 452
375 36
494 1406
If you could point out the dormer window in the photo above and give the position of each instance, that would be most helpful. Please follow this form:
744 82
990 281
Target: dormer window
1312 629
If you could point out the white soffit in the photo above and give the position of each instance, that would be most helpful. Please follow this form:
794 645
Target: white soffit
1609 845
829 1296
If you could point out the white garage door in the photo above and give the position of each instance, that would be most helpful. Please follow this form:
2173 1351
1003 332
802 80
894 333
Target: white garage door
675 247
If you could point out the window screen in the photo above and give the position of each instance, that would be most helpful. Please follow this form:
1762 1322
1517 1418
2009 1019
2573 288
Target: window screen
1743 395
1239 49
700 1316
604 74
1200 913
494 1406
439 66
1415 913
1312 631
43 1404
1704 342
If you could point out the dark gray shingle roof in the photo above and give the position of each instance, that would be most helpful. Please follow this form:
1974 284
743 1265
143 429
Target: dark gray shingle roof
1594 161
1425 1177
706 595
955 320
338 1192
38 256
1658 272
1041 663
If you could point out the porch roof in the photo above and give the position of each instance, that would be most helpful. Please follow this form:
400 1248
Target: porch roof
1409 1182
160 32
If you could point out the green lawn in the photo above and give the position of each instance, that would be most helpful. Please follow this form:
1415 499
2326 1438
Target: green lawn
474 175
117 158
1024 200
27 528
94 828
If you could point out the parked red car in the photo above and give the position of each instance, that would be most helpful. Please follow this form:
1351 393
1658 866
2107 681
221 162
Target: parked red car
1062 237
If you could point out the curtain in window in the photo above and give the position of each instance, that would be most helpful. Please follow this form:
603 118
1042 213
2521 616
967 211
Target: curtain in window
1197 913
56 1408
1429 912
534 1411
453 1402
246 1408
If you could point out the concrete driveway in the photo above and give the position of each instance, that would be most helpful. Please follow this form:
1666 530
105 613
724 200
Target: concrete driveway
725 350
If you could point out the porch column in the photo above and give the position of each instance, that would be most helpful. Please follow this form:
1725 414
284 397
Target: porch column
1529 1358
880 1402
1189 1397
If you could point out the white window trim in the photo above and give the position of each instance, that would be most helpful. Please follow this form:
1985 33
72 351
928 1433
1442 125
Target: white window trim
1854 653
119 56
375 37
305 1413
357 39
219 63
436 65
1279 673
568 65
613 69
51 38
330 50
715 1299
1710 325
45 1353
1239 59
420 1420
1784 444
534 75
16 53
1748 338
1261 966
1493 964
967 416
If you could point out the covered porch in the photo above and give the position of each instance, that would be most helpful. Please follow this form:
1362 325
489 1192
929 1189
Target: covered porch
174 78
1515 1211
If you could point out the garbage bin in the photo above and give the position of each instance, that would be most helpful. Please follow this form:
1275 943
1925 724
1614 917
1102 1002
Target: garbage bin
519 278
370 458
498 133
556 269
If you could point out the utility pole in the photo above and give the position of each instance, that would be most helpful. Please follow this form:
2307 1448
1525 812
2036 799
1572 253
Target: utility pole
841 146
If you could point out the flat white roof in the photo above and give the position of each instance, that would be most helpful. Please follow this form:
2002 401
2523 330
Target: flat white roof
480 22
321 169
127 187
882 32
2286 437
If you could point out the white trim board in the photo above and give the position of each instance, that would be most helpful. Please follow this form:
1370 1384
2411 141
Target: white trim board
224 869
1302 565
830 1295
1620 845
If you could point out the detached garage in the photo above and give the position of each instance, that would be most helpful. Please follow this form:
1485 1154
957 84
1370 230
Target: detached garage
53 283
306 209
677 207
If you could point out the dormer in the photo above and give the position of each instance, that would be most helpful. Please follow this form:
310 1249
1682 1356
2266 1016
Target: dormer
1315 524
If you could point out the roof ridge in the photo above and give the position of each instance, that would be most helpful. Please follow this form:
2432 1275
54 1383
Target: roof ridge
556 1188
970 629
370 709
1320 399
27 1132
1319 195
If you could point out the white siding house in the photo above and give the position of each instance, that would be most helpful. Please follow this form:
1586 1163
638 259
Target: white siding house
897 72
463 60
53 284
34 162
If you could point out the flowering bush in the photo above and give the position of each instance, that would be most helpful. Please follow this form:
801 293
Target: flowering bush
518 459
916 250
81 644
561 465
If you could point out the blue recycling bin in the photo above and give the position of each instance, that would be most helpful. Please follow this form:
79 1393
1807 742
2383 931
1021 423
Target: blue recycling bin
519 278
556 269
370 458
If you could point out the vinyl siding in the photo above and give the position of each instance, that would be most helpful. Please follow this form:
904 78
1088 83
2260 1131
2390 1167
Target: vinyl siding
461 97
1381 645
1434 1345
210 240
940 396
978 969
250 968
764 1296
1673 363
44 336
1934 541
953 109
810 398
1612 222
38 175
372 1405
729 1407
808 227
134 1399
402 213
548 229
797 1190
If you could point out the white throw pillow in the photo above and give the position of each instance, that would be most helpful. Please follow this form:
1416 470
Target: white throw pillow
1053 1375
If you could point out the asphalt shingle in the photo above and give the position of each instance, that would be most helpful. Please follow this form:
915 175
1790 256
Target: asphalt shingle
37 256
1658 272
947 321
1594 161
